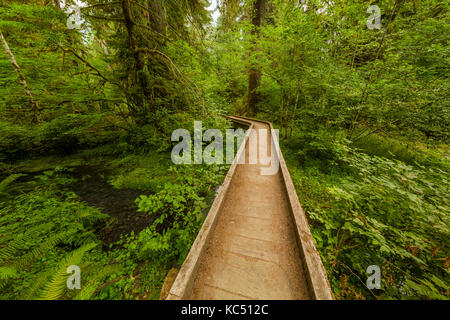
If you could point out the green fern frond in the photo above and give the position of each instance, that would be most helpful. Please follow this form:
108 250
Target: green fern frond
37 285
9 251
7 181
6 273
44 247
88 291
55 288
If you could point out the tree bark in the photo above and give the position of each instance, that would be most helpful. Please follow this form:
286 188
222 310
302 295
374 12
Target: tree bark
131 34
254 74
22 80
138 58
156 16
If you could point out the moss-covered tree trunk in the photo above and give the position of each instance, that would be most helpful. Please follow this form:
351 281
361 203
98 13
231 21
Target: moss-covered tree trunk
22 79
156 16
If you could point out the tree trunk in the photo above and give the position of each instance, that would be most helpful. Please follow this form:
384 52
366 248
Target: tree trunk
144 99
156 16
254 74
22 80
131 34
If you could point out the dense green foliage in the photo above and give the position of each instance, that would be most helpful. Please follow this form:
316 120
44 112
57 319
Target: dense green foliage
369 210
363 115
48 221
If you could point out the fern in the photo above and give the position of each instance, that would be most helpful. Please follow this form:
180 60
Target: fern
9 251
6 273
7 181
54 289
88 291
44 247
37 286
4 193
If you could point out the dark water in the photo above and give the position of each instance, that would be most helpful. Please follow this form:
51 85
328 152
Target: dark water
120 205
93 189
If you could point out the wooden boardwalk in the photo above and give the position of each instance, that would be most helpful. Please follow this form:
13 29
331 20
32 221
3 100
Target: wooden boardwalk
255 242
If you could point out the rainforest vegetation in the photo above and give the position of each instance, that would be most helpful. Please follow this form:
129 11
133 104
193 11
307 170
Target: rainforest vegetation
91 90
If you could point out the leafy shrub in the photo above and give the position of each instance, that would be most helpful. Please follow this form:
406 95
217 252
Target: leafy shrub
325 148
381 212
392 149
178 208
178 211
179 217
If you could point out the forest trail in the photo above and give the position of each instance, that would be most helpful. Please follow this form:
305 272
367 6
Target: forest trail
249 249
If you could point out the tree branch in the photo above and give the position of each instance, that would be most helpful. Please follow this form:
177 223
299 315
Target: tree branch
98 73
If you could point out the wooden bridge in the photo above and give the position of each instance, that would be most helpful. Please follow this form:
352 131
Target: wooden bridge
255 242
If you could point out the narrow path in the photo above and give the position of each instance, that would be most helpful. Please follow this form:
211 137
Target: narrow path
255 242
253 252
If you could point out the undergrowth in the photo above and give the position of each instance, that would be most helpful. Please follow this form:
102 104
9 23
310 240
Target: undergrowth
45 227
369 210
